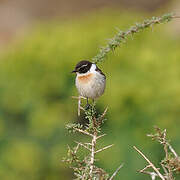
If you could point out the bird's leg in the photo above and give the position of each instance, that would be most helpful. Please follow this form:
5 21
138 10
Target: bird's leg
87 104
93 101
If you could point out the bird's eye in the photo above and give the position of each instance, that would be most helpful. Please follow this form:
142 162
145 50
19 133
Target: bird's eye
83 68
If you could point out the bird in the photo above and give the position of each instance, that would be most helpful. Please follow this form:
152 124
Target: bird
90 80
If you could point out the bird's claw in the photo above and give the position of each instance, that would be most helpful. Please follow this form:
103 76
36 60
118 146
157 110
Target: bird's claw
88 106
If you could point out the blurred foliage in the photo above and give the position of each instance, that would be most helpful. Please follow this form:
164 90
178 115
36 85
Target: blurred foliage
36 86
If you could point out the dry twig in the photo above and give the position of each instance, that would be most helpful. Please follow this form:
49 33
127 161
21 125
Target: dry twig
150 163
171 162
115 173
79 103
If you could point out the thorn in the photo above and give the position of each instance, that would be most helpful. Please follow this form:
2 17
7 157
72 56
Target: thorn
104 148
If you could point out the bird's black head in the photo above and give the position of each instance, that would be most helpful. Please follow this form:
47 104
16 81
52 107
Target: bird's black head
82 67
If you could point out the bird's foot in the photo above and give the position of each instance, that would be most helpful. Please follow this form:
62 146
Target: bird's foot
88 106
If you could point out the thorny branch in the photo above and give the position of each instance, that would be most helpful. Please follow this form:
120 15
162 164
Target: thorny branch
104 148
79 103
85 168
171 162
117 170
121 36
150 163
93 146
152 174
83 132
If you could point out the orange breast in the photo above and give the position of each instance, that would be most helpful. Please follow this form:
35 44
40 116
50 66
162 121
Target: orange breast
85 78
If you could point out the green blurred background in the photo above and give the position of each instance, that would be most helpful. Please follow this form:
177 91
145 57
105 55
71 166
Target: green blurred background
36 86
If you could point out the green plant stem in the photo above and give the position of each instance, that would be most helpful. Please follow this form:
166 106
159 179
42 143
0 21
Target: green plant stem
121 36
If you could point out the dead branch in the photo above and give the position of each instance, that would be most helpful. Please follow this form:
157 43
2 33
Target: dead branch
115 173
150 163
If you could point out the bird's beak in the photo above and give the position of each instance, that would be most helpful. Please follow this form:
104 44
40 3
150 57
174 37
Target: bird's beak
74 71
